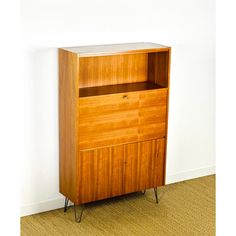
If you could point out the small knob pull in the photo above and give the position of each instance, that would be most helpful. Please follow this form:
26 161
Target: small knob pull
125 96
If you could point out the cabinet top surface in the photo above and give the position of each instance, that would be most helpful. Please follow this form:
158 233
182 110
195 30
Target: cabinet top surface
115 48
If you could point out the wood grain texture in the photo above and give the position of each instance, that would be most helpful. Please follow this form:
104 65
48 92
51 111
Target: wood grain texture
108 120
108 103
118 88
68 119
158 64
115 119
108 70
112 171
113 137
100 173
155 97
141 170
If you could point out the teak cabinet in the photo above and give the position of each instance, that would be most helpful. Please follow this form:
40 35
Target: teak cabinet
113 118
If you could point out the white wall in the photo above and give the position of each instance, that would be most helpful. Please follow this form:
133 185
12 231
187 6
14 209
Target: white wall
187 26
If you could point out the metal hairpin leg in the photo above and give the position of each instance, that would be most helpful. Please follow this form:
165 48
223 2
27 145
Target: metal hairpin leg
155 191
144 191
66 204
78 218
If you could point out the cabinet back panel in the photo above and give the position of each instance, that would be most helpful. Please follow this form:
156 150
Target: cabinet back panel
111 70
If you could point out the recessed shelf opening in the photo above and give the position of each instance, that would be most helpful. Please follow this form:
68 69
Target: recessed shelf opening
118 88
99 75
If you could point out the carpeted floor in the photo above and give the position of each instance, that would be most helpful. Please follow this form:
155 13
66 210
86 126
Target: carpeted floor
185 208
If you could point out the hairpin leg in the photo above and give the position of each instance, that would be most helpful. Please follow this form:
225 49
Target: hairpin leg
144 191
155 191
66 204
78 217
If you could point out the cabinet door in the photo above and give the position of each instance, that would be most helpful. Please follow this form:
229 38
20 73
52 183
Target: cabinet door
108 120
144 165
113 171
100 173
152 114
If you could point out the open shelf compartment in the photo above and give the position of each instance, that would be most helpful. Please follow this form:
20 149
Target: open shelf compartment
100 75
118 88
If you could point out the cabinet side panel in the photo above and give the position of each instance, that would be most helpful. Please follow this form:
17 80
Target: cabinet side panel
68 93
167 114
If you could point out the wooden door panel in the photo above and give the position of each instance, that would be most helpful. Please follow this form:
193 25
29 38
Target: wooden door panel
116 170
151 115
144 165
90 125
105 104
112 119
108 120
147 152
156 97
152 131
159 164
132 168
100 173
114 137
93 172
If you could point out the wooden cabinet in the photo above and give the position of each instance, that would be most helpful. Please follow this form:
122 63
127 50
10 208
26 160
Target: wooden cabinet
113 118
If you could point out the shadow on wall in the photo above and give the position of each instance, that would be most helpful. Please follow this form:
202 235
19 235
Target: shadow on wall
41 178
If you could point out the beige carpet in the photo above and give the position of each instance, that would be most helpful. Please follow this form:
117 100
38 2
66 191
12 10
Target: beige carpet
185 208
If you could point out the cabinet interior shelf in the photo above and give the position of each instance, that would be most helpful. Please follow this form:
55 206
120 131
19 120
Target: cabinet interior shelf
118 88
